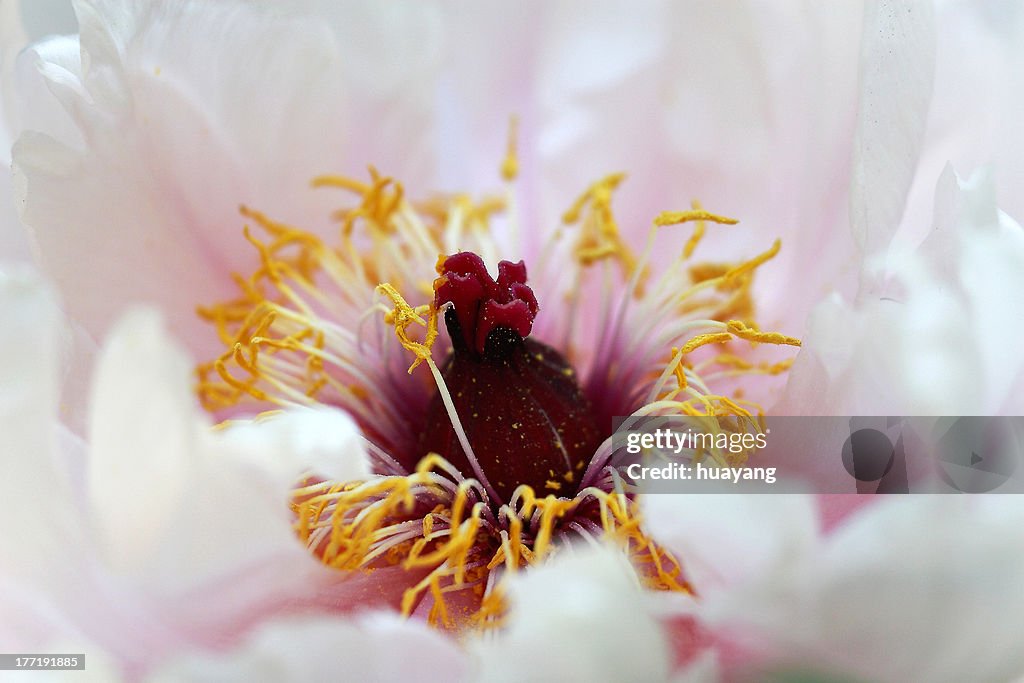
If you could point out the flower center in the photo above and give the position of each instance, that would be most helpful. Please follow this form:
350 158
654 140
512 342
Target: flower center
505 461
522 410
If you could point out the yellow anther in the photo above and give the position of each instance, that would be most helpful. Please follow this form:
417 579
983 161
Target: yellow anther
599 233
699 272
403 316
343 182
732 408
754 263
601 189
492 609
590 255
740 329
703 340
377 207
741 364
699 215
510 165
676 217
479 214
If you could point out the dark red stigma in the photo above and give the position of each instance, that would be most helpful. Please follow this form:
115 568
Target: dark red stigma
525 416
482 304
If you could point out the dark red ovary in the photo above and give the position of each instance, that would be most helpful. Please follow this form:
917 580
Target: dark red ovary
525 417
523 412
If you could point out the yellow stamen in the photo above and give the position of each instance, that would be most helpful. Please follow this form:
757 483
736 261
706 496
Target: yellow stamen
510 165
752 264
677 367
381 199
356 524
403 316
699 215
703 340
741 330
599 235
741 365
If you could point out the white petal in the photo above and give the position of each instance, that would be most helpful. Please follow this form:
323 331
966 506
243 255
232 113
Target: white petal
14 244
12 39
725 541
195 536
973 119
28 397
176 505
166 100
897 71
387 112
580 617
704 670
375 647
934 576
144 437
912 588
933 342
30 620
47 84
322 440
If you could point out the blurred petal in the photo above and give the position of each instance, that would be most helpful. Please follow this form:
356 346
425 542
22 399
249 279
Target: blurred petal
897 71
940 577
173 144
30 620
29 372
12 40
933 341
770 112
321 440
144 438
374 647
976 107
159 481
710 533
912 588
171 535
14 245
579 617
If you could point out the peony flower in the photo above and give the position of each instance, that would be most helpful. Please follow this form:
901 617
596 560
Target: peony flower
356 366
162 118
